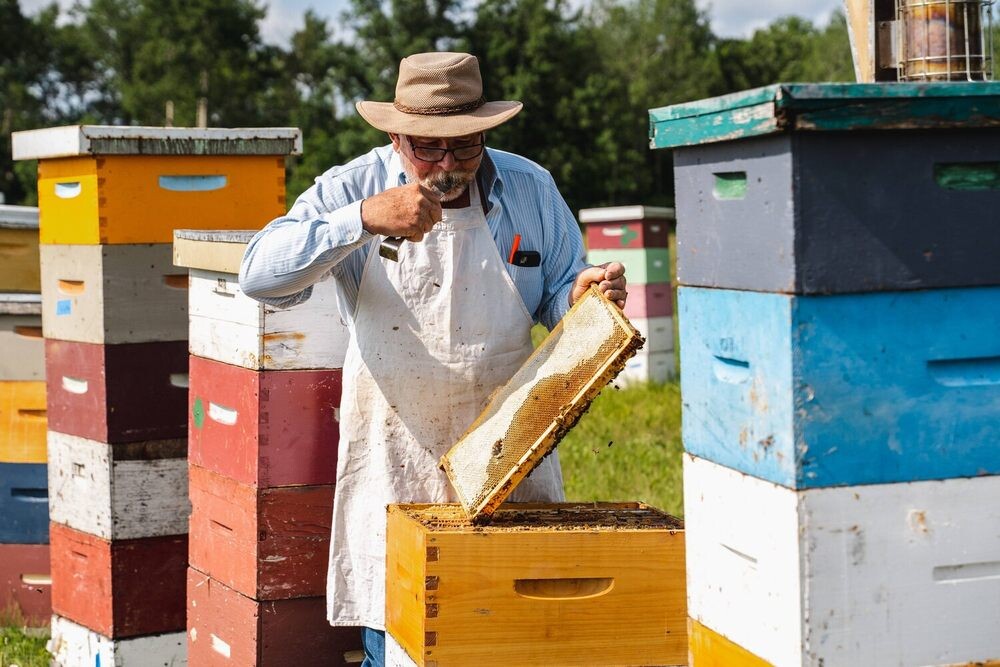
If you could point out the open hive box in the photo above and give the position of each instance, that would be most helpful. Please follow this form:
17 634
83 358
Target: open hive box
526 418
542 584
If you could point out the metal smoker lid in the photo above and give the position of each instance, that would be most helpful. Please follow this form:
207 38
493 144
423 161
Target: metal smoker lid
527 417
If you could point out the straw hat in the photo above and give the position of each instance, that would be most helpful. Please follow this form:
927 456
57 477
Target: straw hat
438 95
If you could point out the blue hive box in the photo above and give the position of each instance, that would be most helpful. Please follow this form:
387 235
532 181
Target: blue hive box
24 503
814 391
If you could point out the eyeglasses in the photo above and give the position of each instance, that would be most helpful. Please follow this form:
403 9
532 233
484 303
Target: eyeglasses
431 154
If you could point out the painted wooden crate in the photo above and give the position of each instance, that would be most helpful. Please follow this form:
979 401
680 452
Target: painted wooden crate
73 644
565 584
23 356
24 504
25 582
617 227
111 185
19 249
119 588
811 391
707 648
226 325
267 544
885 574
835 188
658 332
264 428
647 366
119 491
649 300
642 265
22 422
132 392
226 628
113 293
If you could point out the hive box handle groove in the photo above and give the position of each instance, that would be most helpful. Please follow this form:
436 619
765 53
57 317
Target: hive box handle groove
570 588
30 495
36 579
733 371
70 286
182 380
28 332
968 176
74 385
68 190
966 572
31 414
730 185
981 371
192 183
222 414
176 280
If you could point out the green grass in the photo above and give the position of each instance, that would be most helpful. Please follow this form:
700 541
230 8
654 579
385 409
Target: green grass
627 447
24 647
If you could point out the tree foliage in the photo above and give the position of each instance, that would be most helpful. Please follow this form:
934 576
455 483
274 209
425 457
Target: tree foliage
587 76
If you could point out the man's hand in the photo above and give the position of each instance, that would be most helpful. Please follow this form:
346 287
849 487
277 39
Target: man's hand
610 279
409 211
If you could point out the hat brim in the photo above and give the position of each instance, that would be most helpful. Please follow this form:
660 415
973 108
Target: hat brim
386 117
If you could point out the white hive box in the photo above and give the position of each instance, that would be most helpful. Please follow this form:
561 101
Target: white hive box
228 326
22 349
73 645
658 332
119 492
886 574
647 366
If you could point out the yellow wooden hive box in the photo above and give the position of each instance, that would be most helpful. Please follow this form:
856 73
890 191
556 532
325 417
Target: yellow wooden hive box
129 185
19 262
22 422
542 584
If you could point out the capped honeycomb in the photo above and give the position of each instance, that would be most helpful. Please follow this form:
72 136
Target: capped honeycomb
526 418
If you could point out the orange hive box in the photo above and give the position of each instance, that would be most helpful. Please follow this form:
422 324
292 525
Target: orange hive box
542 584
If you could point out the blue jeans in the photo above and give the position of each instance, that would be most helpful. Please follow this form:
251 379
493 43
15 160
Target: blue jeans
373 642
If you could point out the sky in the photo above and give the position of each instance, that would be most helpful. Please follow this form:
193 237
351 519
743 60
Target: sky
730 18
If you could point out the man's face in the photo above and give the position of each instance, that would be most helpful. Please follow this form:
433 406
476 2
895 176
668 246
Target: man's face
418 155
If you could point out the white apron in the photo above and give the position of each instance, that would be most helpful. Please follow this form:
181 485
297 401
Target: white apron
432 336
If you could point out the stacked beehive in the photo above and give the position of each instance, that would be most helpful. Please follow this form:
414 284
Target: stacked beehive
840 358
24 518
638 237
114 316
263 432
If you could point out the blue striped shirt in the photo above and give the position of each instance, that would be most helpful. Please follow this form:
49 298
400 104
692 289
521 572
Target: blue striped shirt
322 236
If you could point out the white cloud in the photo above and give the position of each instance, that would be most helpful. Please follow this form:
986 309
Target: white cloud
739 18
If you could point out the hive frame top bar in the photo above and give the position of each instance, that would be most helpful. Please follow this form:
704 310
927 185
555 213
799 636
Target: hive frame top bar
785 107
87 140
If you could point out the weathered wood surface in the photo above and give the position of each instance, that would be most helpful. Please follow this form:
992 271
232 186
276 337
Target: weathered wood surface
786 107
268 544
229 629
861 30
131 392
211 250
19 257
73 644
845 575
25 582
264 428
141 199
76 140
459 595
24 504
120 588
23 351
642 265
118 492
813 391
810 221
228 326
113 293
649 300
22 422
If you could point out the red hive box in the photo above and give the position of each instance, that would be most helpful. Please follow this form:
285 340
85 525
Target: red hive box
117 393
226 628
267 544
25 581
122 588
270 428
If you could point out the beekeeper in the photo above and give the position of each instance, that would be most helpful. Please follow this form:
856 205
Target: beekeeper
490 248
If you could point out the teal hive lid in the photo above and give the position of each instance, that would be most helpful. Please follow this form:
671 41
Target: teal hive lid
789 107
